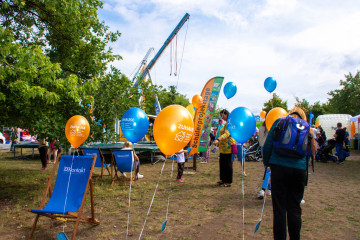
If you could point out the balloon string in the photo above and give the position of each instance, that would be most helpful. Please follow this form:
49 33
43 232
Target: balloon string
67 189
242 190
152 200
131 180
170 191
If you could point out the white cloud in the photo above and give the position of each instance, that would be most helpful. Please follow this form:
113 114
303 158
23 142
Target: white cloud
306 46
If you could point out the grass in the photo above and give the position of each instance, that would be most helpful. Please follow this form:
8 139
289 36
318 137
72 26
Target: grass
198 208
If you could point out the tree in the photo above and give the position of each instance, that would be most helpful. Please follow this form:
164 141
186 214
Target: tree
317 108
171 96
274 102
303 104
346 99
53 65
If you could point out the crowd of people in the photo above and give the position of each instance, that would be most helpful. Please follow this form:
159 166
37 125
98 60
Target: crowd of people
288 173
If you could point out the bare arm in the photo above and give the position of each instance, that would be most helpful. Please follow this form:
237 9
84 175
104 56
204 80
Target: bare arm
136 157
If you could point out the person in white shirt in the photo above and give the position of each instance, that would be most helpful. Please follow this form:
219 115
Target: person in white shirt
180 157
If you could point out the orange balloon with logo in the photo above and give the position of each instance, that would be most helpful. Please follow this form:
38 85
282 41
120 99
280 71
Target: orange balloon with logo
197 101
263 114
273 115
173 129
77 130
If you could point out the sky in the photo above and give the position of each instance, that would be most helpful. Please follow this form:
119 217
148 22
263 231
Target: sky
306 46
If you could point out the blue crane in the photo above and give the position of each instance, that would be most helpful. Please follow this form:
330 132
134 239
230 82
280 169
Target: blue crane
166 43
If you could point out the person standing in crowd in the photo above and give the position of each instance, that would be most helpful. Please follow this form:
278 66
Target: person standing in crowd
319 139
322 133
288 180
240 156
13 138
180 157
263 132
339 142
52 150
220 126
43 147
205 155
225 141
346 151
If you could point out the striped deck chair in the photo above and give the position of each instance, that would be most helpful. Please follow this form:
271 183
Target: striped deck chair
124 161
100 161
68 197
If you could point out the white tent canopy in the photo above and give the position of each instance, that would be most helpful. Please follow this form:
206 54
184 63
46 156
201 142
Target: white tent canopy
329 123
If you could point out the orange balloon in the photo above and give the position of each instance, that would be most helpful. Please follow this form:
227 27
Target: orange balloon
77 130
263 114
273 115
173 129
197 101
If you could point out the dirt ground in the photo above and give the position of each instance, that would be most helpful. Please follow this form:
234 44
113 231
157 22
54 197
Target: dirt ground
199 209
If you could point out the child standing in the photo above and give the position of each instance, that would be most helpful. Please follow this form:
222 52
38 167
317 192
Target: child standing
180 157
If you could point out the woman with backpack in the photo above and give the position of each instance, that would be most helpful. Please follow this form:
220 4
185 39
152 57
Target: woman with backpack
288 170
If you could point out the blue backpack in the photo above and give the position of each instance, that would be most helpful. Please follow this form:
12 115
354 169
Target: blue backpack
292 137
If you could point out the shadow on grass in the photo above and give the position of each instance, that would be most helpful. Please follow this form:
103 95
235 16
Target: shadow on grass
21 184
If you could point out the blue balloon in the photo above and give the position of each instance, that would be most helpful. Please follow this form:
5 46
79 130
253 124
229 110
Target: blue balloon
134 124
241 124
270 84
230 90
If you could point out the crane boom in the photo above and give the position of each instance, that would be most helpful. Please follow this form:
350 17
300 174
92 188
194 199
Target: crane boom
166 43
143 63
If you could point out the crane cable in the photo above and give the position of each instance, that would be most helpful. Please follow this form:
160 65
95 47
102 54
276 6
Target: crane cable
182 54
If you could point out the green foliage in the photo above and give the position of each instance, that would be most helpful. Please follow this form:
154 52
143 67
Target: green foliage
303 104
53 65
317 108
274 102
169 97
346 99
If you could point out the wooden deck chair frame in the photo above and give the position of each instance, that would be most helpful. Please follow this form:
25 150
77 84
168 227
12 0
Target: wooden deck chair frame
116 176
70 216
103 169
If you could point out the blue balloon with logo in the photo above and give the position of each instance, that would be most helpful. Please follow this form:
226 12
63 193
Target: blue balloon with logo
134 124
230 90
241 124
270 84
